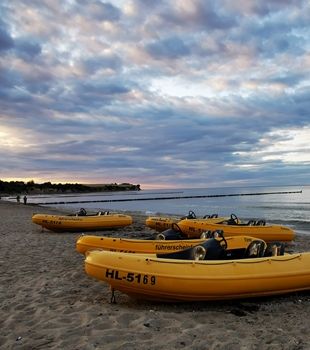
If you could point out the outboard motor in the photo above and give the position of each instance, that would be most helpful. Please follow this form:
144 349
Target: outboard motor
209 250
169 234
174 232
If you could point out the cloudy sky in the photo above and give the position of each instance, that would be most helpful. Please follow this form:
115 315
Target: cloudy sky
180 93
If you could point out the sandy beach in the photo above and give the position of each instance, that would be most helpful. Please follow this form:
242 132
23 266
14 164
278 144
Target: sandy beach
48 302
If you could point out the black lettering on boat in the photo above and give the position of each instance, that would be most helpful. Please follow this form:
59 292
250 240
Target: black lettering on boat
130 277
109 273
117 277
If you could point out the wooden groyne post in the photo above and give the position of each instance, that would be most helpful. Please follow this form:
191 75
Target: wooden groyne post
170 197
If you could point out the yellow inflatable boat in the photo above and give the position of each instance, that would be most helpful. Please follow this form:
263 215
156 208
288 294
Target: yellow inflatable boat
160 223
163 279
259 229
145 246
81 221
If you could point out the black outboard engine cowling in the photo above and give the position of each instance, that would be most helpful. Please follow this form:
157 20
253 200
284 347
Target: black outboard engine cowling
212 251
169 234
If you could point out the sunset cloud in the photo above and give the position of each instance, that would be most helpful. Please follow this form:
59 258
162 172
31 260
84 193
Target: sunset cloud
163 93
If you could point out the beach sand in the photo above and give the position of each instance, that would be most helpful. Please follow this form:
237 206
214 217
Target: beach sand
48 302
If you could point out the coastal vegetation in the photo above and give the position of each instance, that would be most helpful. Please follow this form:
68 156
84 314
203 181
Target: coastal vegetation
30 187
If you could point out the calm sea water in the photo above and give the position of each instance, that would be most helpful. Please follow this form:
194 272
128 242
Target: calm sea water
290 209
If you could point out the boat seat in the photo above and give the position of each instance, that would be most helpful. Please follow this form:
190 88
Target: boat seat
275 248
212 216
103 213
253 222
256 249
260 223
238 253
231 222
181 254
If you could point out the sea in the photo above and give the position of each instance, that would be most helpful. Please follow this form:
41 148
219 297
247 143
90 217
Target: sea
289 205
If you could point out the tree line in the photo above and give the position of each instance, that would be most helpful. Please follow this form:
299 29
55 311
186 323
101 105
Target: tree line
30 187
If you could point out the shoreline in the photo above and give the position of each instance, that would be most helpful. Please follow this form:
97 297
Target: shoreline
48 301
